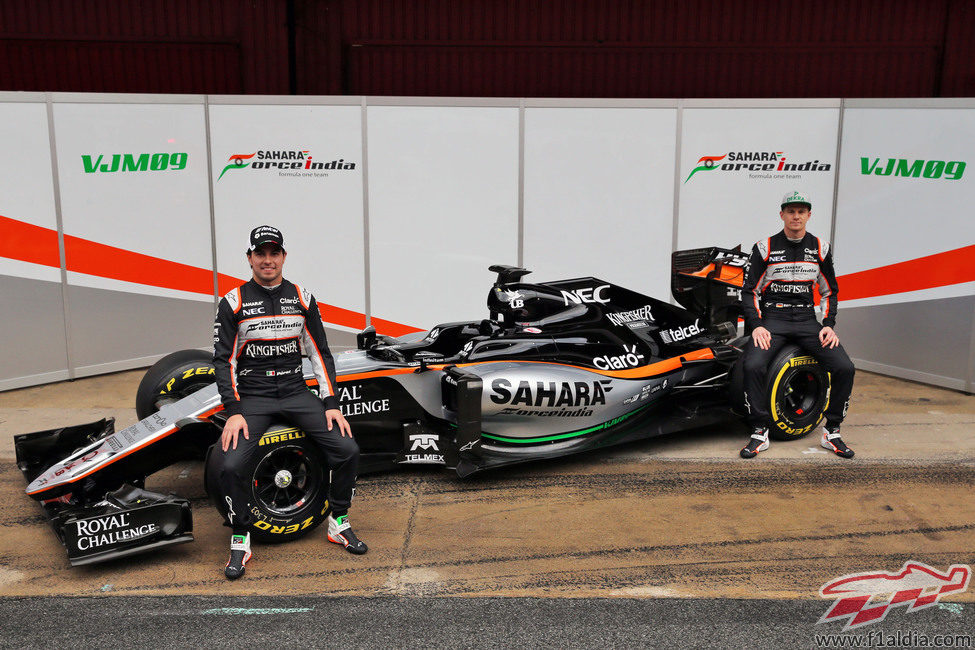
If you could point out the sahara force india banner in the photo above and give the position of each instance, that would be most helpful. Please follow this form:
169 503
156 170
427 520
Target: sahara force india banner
299 169
737 163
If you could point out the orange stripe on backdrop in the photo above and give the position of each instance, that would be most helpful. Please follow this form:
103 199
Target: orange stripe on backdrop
38 245
86 256
29 243
938 270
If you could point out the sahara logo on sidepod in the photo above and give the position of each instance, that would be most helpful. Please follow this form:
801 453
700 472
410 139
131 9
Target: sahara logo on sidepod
756 161
283 160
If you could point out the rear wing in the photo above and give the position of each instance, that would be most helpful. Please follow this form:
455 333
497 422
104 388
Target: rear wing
707 281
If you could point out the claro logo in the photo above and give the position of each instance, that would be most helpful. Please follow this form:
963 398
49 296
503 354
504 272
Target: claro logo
133 162
951 170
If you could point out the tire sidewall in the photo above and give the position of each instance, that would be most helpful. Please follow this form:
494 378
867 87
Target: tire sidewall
176 375
267 526
786 365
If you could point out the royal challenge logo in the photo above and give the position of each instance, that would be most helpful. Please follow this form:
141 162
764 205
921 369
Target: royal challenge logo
758 165
284 162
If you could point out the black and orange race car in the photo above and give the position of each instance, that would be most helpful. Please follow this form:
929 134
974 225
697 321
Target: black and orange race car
557 368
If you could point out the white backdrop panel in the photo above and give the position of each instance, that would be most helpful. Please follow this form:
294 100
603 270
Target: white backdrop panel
319 210
740 206
443 206
599 188
30 272
27 187
133 176
897 217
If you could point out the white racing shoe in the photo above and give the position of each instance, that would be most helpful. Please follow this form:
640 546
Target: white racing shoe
758 442
833 442
240 553
340 532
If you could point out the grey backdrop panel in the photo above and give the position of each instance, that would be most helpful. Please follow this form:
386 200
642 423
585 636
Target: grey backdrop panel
32 320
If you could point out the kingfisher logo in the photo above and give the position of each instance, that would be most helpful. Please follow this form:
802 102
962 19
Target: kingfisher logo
763 164
286 162
865 598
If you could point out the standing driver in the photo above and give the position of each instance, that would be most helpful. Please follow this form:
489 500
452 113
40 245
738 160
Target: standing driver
261 330
777 300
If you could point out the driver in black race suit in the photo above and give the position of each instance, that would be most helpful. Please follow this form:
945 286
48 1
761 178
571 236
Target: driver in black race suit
777 301
261 330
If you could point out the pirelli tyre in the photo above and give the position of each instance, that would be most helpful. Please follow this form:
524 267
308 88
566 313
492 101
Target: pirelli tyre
796 390
172 378
288 485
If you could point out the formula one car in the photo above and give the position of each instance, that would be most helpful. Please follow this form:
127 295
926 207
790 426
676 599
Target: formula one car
557 368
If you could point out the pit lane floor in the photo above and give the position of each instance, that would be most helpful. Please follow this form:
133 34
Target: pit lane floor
672 518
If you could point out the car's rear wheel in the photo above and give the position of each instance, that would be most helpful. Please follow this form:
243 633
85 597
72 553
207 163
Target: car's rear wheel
287 485
172 378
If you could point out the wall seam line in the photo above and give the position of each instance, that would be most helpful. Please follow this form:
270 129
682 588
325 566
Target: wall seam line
678 144
62 257
366 260
521 183
213 214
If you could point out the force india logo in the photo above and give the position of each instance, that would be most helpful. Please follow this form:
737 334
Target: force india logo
755 161
288 163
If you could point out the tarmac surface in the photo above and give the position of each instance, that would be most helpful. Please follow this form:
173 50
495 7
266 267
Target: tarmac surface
673 541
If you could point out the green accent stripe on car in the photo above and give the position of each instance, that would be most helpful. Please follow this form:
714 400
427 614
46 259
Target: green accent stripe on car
571 434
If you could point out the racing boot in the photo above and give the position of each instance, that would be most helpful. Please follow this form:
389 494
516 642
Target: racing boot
758 442
340 532
240 553
833 442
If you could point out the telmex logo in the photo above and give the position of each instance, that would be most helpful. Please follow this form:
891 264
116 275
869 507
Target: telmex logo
134 162
755 161
281 160
950 170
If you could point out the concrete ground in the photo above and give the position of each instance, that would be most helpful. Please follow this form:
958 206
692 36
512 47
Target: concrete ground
676 516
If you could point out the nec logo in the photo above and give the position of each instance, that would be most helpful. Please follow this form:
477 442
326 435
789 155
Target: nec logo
587 294
865 598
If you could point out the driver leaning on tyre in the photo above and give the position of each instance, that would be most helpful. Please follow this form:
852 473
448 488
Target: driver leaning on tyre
777 301
261 329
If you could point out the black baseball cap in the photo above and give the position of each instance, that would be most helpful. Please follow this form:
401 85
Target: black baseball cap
265 235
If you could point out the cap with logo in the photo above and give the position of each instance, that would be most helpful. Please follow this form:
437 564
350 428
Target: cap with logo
796 197
265 235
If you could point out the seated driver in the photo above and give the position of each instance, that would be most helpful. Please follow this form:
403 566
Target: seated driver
777 301
260 332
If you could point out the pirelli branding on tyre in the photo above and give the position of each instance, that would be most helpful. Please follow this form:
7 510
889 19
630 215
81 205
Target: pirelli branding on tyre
275 437
798 395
